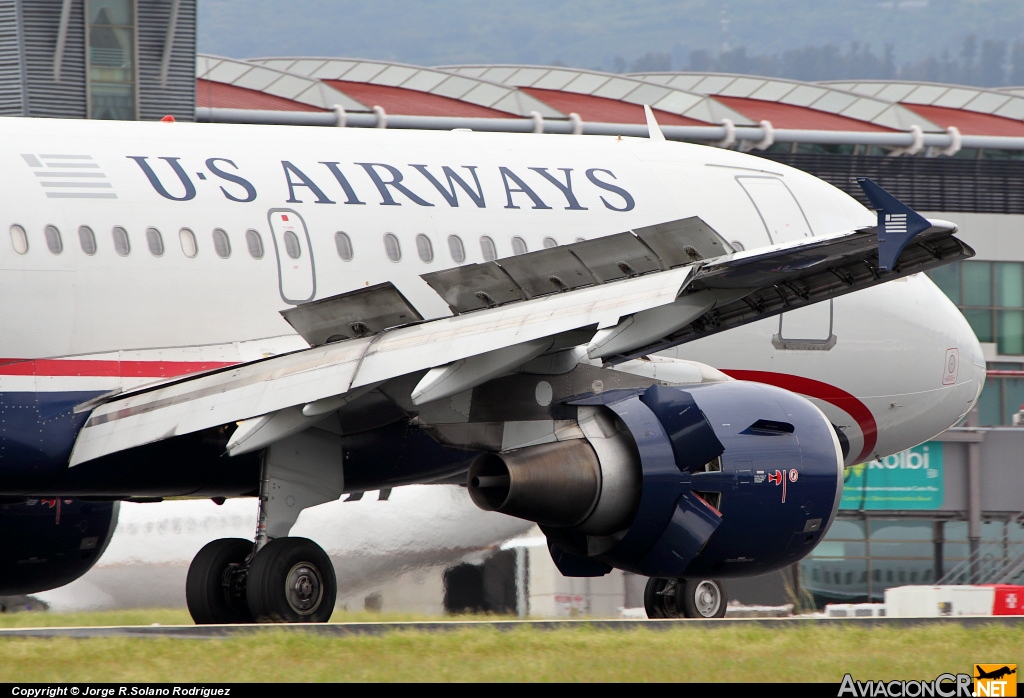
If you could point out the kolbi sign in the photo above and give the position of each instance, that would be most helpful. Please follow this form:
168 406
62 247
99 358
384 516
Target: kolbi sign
907 480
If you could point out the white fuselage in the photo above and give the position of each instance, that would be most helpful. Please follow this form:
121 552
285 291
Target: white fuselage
332 210
419 528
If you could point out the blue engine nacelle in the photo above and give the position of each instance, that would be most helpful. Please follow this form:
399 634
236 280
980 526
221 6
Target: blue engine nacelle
725 479
51 542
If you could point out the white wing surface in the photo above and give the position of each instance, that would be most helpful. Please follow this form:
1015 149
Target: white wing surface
615 297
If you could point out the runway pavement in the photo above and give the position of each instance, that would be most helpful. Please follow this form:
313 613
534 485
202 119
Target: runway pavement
342 629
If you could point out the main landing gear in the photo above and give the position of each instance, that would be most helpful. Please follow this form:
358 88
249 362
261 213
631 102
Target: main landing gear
668 597
277 579
288 580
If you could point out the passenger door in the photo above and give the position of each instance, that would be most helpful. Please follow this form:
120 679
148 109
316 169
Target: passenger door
294 256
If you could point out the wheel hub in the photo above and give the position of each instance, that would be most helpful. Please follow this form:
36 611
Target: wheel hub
305 588
707 599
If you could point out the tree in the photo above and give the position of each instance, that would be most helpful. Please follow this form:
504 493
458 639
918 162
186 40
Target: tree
652 62
968 52
1016 76
992 66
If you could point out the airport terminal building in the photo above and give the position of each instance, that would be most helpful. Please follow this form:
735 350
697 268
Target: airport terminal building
949 151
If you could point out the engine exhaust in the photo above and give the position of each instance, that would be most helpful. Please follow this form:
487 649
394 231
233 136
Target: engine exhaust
556 484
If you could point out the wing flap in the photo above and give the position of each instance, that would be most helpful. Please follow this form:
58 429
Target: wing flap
208 400
252 390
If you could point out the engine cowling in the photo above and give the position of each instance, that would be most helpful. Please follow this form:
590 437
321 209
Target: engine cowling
719 480
51 542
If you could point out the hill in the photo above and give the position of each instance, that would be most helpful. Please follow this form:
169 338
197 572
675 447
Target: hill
977 41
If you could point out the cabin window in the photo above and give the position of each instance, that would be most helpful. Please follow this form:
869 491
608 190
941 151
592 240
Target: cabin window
457 249
254 241
155 241
87 239
53 240
392 247
291 245
518 245
122 245
221 243
549 243
188 243
19 239
343 243
424 248
488 249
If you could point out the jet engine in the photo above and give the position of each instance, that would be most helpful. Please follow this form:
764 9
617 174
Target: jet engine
718 480
51 542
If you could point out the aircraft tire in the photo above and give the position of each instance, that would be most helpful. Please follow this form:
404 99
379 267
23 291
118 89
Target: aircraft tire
702 598
291 580
211 598
661 598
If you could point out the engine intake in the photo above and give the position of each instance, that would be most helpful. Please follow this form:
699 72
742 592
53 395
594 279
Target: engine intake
51 542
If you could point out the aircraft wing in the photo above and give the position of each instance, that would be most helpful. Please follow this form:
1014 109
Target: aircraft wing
752 286
613 298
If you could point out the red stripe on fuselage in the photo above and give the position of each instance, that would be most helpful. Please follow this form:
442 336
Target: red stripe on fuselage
106 369
822 391
168 369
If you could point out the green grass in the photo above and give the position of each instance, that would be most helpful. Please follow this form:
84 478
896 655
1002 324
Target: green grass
35 619
740 653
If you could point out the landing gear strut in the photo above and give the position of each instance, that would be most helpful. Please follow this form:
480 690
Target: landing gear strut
668 597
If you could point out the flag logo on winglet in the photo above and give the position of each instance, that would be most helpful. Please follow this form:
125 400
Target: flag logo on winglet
896 223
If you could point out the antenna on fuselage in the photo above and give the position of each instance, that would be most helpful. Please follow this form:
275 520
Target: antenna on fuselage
653 129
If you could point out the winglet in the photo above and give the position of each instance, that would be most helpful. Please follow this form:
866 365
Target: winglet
897 223
653 129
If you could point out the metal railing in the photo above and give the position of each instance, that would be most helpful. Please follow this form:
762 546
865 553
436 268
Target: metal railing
759 137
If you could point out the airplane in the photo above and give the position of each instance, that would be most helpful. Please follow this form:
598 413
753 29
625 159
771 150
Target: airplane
369 540
994 674
662 353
